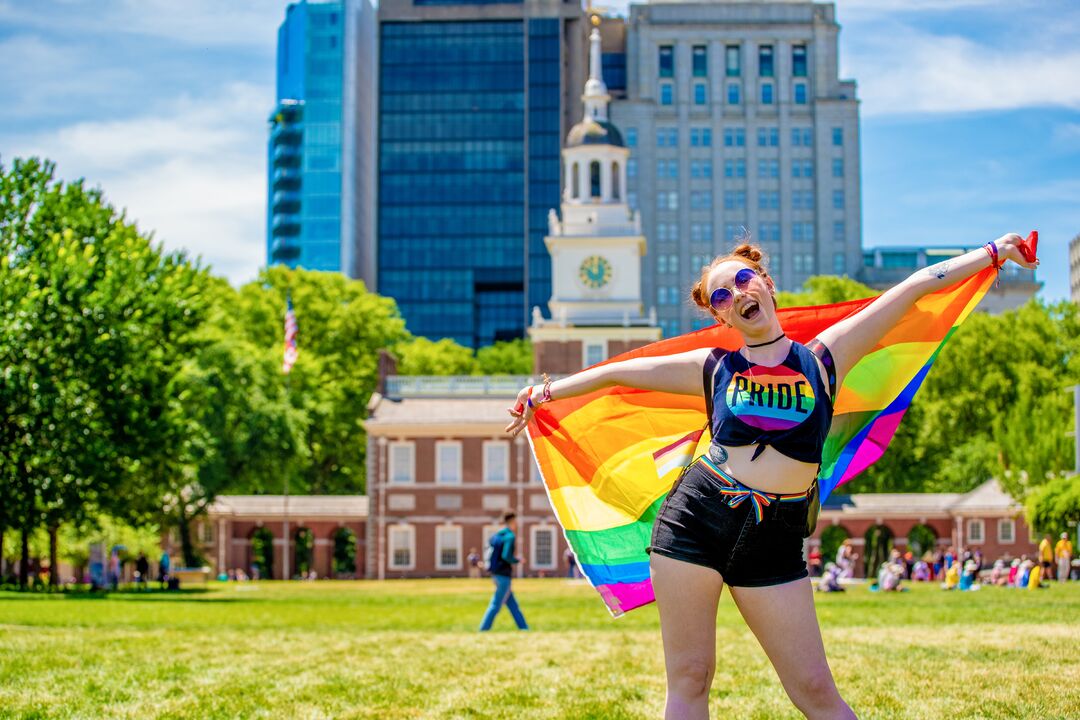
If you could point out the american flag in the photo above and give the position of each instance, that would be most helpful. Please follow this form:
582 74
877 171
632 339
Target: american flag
291 351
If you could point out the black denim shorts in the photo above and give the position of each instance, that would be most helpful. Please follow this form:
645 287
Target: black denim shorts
753 539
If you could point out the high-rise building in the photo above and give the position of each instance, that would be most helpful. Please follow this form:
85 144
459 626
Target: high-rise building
473 99
320 144
737 122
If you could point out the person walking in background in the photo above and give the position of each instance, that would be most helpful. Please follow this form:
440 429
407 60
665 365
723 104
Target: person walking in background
1063 552
501 561
571 564
164 565
474 563
1046 557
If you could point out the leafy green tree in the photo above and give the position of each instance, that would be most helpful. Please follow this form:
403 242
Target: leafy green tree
511 357
342 327
420 356
825 290
1055 506
993 406
94 324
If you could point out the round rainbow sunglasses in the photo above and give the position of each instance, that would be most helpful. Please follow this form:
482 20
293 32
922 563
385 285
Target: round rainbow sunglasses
722 298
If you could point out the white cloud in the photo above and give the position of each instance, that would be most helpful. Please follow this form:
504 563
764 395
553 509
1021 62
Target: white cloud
194 173
904 71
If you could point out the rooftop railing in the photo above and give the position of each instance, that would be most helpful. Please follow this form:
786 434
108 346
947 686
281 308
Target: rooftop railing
439 386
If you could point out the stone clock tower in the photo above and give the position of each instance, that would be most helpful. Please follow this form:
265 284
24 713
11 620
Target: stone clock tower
596 247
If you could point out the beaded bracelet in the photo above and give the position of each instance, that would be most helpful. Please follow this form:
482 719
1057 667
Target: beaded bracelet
992 250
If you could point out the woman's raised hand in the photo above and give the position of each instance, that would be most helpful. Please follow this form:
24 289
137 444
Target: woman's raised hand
1009 249
521 412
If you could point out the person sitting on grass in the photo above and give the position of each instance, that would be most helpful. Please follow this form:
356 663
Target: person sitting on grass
952 577
830 579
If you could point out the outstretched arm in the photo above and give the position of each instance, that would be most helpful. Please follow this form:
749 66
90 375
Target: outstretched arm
852 338
679 373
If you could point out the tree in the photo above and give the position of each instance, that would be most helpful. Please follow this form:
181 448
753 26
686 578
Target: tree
94 323
993 406
825 290
342 327
420 356
1055 506
511 357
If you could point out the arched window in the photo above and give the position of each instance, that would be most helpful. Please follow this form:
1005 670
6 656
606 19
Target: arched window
594 178
575 182
615 180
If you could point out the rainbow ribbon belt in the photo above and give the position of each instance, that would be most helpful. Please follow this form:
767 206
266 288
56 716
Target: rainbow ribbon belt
736 493
609 458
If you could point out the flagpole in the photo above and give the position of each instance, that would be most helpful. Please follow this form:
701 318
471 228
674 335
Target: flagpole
287 362
285 483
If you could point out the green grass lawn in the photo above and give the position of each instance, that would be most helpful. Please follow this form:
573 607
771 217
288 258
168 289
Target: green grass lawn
409 649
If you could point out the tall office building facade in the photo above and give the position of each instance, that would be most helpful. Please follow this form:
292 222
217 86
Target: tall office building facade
737 122
473 101
319 196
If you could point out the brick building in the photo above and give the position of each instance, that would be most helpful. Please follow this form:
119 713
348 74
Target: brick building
239 531
986 519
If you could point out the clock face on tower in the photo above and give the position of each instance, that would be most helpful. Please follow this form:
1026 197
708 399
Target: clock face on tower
595 272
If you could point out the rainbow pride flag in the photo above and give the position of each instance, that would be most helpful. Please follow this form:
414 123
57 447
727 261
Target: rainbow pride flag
609 458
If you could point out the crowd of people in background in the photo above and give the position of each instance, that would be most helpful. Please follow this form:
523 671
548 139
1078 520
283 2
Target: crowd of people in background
963 569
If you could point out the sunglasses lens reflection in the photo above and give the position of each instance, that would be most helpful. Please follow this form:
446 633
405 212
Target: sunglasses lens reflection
743 278
721 299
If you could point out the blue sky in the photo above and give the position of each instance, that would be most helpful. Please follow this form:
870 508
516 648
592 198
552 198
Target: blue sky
970 116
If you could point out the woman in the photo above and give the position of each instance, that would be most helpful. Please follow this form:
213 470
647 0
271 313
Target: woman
770 407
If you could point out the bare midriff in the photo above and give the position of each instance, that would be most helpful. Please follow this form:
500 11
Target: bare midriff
772 471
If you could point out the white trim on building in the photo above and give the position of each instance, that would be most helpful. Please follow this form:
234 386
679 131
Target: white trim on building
448 462
496 469
402 454
542 552
447 539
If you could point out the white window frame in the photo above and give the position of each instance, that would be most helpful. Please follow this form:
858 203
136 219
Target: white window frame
585 351
410 531
439 445
1006 523
533 545
505 445
981 524
411 446
439 547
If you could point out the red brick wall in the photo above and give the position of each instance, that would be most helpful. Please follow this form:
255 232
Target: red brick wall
238 544
557 358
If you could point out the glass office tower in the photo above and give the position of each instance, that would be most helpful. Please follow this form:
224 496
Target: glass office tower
470 118
305 150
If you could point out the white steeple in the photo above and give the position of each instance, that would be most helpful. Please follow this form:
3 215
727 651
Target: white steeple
596 96
595 237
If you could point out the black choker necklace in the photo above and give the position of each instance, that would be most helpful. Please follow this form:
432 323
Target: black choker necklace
776 339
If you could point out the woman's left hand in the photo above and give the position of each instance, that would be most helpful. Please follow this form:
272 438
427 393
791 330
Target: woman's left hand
1008 246
520 412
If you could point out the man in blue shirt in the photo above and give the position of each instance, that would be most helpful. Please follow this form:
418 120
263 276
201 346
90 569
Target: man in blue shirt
501 565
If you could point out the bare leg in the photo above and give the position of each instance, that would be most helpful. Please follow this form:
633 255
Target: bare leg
782 618
687 596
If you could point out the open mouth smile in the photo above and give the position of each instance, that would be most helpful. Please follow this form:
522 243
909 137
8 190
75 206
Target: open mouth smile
750 310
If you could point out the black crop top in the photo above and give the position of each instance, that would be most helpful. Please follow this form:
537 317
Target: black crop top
787 406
